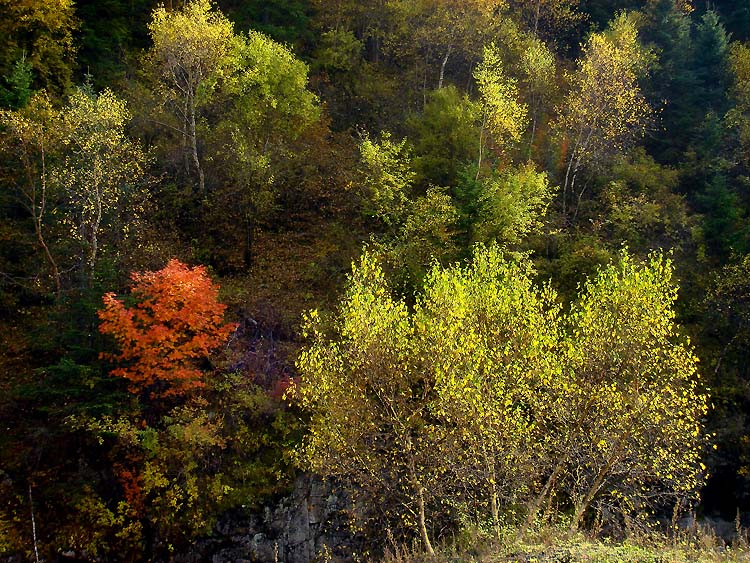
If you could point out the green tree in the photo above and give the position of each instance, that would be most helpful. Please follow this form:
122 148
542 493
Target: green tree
710 64
667 26
190 54
18 91
738 117
511 205
260 111
551 20
413 229
444 135
83 178
443 30
110 34
642 207
42 32
538 82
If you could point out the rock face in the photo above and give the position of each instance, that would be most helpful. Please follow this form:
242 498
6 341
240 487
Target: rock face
314 523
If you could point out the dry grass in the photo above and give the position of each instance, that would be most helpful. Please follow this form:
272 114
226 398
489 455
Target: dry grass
554 546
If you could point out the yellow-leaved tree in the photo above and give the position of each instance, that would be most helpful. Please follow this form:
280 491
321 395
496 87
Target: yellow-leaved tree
629 436
505 116
605 110
484 397
370 399
490 339
83 177
190 54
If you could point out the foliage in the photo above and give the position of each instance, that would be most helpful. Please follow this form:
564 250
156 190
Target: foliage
369 398
638 408
191 52
605 111
505 116
388 178
490 340
18 91
83 178
416 229
445 135
486 386
512 205
100 169
42 32
177 322
738 116
252 142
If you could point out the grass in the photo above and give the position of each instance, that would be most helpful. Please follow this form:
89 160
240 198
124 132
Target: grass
554 546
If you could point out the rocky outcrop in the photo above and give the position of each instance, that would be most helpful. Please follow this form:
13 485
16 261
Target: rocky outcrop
314 523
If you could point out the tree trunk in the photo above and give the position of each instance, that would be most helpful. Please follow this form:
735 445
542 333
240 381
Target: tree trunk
37 213
494 504
533 507
598 481
419 491
194 147
94 230
481 146
33 526
442 66
423 522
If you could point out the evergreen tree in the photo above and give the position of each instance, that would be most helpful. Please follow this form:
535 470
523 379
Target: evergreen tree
667 28
711 64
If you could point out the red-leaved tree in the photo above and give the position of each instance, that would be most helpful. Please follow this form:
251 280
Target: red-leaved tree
176 323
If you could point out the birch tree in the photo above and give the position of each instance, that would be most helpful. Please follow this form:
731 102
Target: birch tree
369 399
605 111
100 169
190 54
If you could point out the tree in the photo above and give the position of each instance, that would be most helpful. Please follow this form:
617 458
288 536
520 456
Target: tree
32 136
738 117
42 32
538 71
629 438
550 20
110 32
494 337
82 176
18 91
444 135
441 29
511 205
711 64
667 27
264 107
190 54
504 115
176 323
100 170
605 110
369 398
235 108
414 229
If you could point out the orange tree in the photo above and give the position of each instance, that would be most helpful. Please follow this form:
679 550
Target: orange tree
176 322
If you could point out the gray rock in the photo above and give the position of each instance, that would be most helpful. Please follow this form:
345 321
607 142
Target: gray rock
312 524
